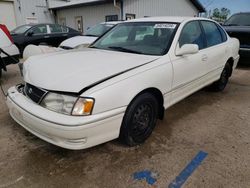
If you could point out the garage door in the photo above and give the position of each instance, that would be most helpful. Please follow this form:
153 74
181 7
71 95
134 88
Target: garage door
7 14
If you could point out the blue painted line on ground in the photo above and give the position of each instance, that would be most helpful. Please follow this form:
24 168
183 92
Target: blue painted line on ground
190 168
147 175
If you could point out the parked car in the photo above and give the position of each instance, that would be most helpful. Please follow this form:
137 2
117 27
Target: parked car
122 83
9 53
238 26
45 34
91 35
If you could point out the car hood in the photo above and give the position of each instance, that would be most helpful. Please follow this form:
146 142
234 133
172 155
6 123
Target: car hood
78 40
72 71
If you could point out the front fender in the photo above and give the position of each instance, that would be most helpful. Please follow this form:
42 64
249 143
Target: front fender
123 90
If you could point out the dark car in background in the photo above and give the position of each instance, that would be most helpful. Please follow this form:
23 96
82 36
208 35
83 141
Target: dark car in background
41 34
238 26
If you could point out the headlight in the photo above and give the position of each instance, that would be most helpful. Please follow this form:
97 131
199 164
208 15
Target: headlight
69 105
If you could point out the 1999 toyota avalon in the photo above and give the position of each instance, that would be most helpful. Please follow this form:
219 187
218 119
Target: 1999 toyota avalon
121 84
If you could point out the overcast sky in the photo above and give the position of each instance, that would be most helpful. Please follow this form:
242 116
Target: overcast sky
233 5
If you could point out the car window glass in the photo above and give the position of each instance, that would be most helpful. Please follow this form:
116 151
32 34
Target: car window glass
98 30
212 33
152 38
40 30
55 28
118 37
65 29
140 34
192 34
21 29
223 34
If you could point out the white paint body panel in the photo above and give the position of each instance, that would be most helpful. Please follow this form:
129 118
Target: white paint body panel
78 40
175 77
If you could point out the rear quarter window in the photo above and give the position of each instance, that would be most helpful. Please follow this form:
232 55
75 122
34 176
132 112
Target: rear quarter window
223 34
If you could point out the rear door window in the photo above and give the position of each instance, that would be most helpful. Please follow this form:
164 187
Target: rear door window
223 34
39 30
55 29
213 34
65 29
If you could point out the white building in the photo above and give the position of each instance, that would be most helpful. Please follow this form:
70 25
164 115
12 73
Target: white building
82 14
18 12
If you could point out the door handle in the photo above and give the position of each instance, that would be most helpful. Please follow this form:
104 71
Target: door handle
65 35
204 58
46 37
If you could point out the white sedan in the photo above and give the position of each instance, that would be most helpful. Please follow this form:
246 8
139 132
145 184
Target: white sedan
121 84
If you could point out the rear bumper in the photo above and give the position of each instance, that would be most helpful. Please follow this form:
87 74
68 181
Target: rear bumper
65 131
236 61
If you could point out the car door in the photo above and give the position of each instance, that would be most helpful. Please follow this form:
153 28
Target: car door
216 50
37 35
58 34
189 70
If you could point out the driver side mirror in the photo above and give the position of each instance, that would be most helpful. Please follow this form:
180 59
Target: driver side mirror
187 49
30 33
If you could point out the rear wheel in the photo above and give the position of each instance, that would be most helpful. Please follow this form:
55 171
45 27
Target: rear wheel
139 120
222 82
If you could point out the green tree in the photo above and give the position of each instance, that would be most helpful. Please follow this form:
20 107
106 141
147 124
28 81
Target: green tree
222 13
216 13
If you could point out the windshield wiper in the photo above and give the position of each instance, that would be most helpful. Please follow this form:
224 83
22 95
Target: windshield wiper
121 49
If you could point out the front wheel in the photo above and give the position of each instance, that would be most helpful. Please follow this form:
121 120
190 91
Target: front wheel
139 120
222 82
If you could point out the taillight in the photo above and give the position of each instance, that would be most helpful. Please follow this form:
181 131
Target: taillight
6 31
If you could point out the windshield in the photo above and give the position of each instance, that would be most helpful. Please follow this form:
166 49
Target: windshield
98 30
149 38
21 29
239 20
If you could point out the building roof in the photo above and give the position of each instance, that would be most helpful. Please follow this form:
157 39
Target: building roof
60 4
198 5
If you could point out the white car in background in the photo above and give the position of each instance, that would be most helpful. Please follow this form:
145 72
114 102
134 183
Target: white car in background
9 53
91 35
122 83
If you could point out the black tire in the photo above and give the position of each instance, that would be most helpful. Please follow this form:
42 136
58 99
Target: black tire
222 82
0 72
139 120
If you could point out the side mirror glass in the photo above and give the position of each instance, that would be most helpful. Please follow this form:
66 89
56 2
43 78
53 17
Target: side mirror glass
187 49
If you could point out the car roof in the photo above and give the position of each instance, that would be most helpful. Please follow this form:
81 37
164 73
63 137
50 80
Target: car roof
178 19
32 25
241 13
